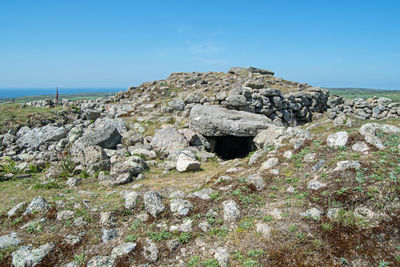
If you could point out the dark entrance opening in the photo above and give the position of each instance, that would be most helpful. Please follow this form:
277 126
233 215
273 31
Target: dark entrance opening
231 147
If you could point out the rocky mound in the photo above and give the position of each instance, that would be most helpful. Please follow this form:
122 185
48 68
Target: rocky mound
204 169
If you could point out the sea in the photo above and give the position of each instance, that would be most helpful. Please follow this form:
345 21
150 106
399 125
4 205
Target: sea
18 92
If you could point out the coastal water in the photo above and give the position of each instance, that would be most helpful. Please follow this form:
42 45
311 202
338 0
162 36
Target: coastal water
18 92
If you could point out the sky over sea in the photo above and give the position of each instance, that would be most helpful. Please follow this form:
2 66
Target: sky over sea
117 44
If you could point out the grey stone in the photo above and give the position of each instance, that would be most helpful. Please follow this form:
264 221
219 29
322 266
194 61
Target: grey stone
108 235
257 180
168 140
338 139
173 244
73 240
217 121
315 185
9 240
236 100
180 207
347 164
268 164
150 252
74 181
318 166
65 215
95 159
221 254
28 256
269 136
17 208
37 204
187 162
101 261
105 135
313 213
41 135
153 203
360 147
231 211
131 138
203 194
131 199
108 218
123 249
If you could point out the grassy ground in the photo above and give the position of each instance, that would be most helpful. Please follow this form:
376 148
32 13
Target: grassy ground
294 240
351 93
12 115
77 96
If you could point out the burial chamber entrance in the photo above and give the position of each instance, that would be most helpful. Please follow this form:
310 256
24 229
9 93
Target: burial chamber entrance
231 147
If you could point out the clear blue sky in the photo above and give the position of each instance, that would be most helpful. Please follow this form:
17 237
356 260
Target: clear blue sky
123 43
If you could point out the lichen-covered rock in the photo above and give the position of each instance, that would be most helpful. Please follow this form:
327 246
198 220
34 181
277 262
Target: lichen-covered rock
187 162
153 203
218 121
131 198
38 136
123 249
28 256
338 139
101 261
168 140
150 252
9 240
231 211
180 207
37 204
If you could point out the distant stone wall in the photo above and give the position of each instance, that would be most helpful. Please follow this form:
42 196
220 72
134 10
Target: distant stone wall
288 109
371 108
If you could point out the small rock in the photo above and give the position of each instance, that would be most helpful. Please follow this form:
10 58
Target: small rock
231 211
74 181
65 215
173 244
187 162
16 209
338 139
270 163
107 218
313 213
315 185
257 180
72 240
180 207
150 252
318 166
27 256
38 204
204 226
9 240
263 229
153 203
203 194
221 254
310 157
109 234
131 198
345 165
360 147
123 250
79 222
288 154
101 261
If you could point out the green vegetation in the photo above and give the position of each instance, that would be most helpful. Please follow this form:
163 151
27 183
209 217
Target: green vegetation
365 93
73 97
